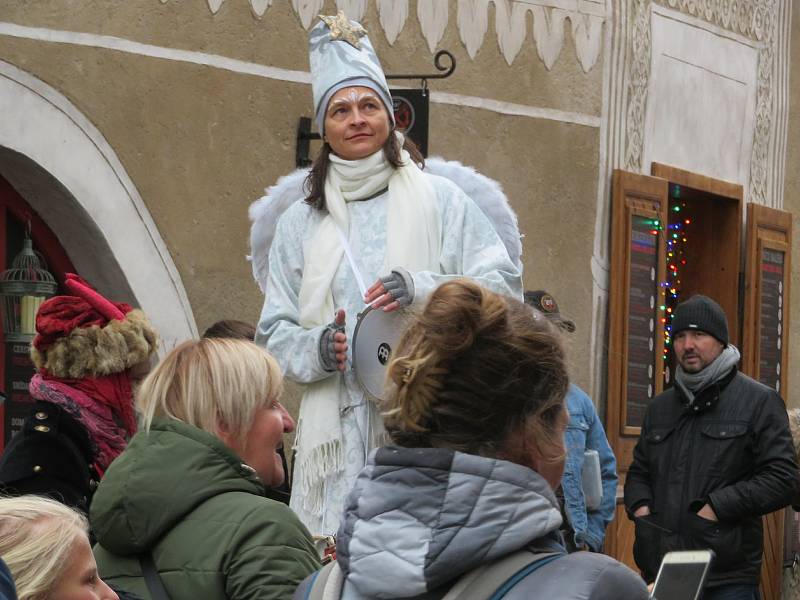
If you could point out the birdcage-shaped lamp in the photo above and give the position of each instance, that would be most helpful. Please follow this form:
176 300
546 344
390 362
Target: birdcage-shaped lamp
23 288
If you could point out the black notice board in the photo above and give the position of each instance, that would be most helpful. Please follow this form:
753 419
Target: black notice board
19 370
411 115
771 309
642 315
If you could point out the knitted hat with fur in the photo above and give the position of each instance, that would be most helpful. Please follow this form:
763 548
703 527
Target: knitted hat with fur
86 335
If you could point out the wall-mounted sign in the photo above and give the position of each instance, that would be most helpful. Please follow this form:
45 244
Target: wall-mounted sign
771 321
19 370
411 109
642 295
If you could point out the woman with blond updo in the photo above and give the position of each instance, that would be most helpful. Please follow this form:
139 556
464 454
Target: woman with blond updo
475 408
46 547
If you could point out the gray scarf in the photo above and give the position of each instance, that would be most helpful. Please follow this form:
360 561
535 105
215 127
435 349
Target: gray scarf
692 383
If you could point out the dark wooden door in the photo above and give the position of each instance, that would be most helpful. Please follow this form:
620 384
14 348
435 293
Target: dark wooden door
765 349
636 327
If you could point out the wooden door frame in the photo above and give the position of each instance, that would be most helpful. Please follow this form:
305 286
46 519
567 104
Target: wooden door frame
733 192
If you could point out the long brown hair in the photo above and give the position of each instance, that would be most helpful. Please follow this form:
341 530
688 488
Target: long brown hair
315 182
474 369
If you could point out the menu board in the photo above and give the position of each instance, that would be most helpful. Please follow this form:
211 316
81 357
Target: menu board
19 370
642 295
771 321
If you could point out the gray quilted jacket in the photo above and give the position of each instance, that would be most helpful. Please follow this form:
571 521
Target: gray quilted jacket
419 518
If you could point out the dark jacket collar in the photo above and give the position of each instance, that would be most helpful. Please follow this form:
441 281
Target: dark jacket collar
708 397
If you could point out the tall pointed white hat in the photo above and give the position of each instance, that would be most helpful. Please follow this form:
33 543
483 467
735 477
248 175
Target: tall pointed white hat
341 56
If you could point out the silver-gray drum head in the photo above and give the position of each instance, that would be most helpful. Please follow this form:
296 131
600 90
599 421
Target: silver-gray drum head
374 339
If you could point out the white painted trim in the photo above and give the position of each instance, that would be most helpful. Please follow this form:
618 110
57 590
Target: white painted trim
108 42
41 124
780 108
248 68
521 110
692 21
598 263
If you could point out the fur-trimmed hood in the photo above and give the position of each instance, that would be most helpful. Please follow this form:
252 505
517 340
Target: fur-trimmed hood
98 351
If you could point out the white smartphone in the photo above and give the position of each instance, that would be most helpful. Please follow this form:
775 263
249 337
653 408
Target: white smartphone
592 480
682 575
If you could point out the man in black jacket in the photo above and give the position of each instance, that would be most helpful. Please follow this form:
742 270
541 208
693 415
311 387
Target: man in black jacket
714 455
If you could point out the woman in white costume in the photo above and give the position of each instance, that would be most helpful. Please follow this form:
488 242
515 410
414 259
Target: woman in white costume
408 231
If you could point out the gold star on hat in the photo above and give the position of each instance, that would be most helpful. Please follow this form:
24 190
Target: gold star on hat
342 29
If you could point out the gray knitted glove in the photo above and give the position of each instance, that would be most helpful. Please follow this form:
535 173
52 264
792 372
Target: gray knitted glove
327 353
400 286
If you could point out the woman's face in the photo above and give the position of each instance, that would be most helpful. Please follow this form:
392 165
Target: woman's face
356 123
260 447
80 580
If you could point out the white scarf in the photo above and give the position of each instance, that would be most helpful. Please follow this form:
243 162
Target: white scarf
413 242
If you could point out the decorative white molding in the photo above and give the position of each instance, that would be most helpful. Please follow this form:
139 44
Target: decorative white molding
303 77
511 22
354 9
751 18
259 7
307 10
392 15
433 16
638 79
587 32
511 27
93 193
548 31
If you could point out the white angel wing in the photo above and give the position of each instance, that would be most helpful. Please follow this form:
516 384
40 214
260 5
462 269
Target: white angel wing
264 215
487 194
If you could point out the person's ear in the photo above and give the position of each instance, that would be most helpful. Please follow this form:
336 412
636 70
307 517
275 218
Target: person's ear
224 433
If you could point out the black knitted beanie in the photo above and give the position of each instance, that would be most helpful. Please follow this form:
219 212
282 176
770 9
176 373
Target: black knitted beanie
701 312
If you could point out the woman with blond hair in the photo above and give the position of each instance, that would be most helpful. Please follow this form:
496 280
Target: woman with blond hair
185 506
465 499
46 547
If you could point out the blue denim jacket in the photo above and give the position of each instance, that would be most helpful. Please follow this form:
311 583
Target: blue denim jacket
585 432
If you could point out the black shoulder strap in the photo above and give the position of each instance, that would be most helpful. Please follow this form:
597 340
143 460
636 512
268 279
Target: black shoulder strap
151 577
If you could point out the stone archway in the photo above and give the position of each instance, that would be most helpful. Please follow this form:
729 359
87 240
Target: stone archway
66 170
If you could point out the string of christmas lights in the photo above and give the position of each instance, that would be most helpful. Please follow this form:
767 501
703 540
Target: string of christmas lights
676 259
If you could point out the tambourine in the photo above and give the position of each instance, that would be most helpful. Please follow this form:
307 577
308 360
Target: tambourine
376 335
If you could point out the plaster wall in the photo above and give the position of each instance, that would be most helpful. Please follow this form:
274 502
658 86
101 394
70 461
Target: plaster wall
792 201
200 143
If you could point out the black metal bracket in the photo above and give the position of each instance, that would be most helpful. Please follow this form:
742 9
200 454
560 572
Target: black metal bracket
305 135
446 70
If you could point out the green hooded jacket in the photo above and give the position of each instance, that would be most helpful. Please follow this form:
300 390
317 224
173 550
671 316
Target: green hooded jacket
183 495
